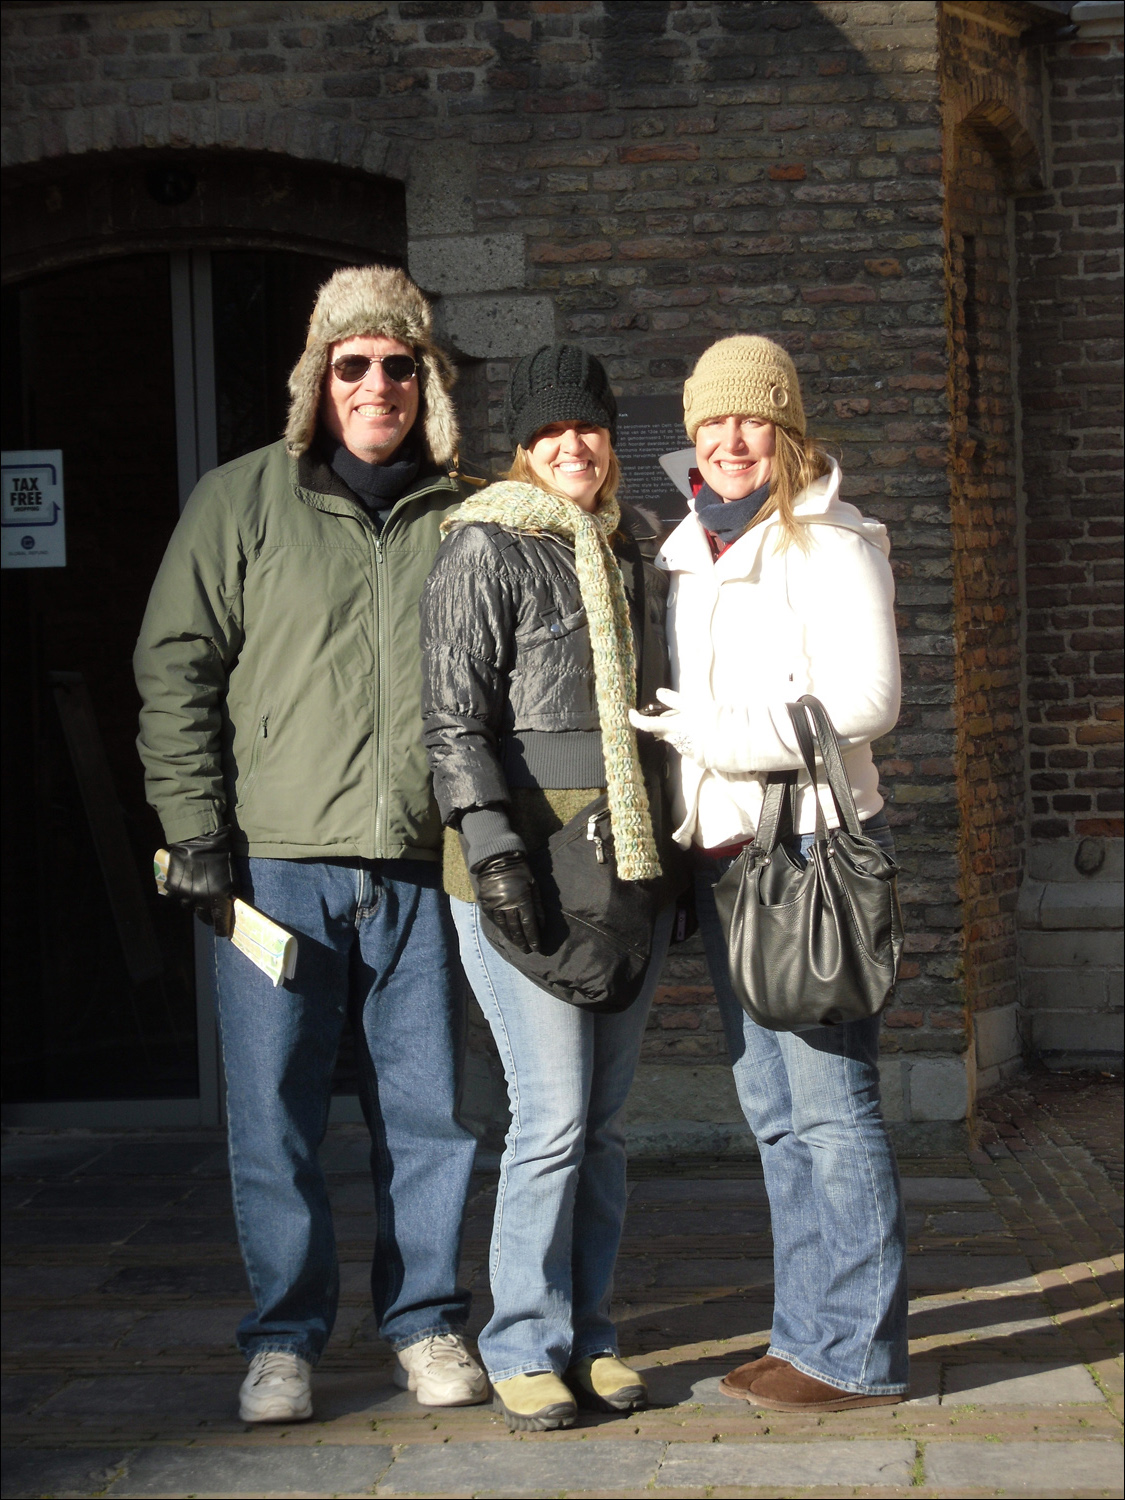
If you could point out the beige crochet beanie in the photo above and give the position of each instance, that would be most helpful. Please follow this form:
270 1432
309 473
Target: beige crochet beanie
745 376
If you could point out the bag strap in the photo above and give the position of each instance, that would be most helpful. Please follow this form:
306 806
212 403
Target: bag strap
799 718
833 760
769 831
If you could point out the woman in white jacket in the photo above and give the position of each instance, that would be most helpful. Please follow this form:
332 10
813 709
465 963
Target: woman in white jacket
779 588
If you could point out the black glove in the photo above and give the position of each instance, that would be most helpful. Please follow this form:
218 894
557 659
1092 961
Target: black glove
507 893
200 875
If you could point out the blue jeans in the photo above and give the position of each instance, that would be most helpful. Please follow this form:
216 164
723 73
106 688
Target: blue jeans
560 1202
375 948
839 1231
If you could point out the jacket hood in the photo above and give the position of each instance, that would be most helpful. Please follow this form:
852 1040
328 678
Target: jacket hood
377 302
818 505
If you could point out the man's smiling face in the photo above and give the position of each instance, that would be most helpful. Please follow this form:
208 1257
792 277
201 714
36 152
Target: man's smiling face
370 416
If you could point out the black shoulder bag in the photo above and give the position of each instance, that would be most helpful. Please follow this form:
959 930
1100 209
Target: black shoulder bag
820 945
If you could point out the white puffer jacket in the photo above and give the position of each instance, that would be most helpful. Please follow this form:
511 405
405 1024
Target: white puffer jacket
758 628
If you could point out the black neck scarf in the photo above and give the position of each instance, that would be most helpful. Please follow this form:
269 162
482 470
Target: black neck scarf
377 485
728 519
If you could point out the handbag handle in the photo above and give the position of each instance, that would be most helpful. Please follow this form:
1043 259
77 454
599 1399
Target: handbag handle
767 836
832 758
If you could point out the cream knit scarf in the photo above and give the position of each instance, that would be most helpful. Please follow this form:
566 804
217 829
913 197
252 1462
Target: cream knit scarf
525 507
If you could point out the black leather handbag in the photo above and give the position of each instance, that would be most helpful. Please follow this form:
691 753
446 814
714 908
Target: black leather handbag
596 936
819 945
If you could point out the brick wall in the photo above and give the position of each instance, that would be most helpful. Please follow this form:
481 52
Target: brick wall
1069 239
989 99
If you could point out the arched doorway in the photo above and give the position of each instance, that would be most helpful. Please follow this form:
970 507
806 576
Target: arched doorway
146 352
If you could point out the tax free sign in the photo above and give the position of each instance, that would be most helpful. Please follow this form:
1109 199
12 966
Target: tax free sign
32 520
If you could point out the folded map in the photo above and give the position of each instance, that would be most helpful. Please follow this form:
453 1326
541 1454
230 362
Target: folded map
264 943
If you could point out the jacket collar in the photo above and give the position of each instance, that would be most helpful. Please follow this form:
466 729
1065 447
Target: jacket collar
317 484
687 549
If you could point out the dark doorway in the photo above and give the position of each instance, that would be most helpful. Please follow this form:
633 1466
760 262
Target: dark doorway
99 998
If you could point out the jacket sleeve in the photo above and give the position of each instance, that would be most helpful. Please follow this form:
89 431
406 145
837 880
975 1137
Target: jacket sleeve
190 638
843 593
468 628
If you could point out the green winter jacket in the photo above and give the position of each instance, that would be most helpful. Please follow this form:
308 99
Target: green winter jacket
280 669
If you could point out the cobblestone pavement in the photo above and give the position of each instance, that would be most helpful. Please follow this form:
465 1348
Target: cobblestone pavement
123 1285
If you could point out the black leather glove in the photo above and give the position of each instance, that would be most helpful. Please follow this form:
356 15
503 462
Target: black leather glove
507 893
200 875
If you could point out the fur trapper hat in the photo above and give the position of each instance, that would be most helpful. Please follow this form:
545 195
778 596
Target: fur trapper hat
374 302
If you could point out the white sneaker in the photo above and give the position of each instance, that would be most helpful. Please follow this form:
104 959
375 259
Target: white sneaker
441 1372
278 1388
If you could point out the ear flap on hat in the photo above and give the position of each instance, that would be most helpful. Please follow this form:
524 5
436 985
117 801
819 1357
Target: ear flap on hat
379 301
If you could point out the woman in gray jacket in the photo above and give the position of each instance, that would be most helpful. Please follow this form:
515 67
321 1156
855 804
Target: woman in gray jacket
531 631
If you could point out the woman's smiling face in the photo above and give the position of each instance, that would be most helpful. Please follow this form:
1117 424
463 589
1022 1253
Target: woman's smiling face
571 458
734 454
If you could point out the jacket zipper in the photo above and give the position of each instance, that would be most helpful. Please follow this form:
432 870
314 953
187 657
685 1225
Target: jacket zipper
381 673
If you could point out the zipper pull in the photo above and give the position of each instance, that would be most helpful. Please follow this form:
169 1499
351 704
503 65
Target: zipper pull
595 838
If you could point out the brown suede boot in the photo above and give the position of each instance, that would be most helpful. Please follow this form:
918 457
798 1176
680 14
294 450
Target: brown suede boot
739 1381
785 1389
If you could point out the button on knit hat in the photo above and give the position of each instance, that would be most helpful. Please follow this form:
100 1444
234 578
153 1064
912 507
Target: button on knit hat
558 383
745 376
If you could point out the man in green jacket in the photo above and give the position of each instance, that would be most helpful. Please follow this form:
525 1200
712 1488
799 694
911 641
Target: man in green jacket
280 672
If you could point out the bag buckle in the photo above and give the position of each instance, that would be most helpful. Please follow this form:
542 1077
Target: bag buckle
595 838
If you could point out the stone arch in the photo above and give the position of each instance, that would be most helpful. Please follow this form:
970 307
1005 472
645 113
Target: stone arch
65 210
293 133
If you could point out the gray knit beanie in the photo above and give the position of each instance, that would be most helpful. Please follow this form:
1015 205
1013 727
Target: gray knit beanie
558 383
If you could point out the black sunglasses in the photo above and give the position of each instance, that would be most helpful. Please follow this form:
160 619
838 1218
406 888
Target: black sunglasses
396 367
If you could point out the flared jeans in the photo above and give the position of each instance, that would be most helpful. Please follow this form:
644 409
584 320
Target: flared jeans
839 1231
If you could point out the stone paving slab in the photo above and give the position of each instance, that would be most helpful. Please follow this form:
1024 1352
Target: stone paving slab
59 1471
20 1394
118 1400
942 1270
333 1469
54 1282
1017 1468
787 1466
520 1468
944 1190
64 1328
1018 1384
227 1281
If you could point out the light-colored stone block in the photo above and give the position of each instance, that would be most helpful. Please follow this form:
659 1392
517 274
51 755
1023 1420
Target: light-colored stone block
1064 989
1056 860
939 1089
495 327
1014 1468
515 1468
1093 1035
439 190
1061 906
1016 1383
893 1088
457 264
997 1035
327 1469
782 1467
1072 950
662 1092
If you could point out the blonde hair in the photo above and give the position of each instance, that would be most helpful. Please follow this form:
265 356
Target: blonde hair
523 473
797 462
